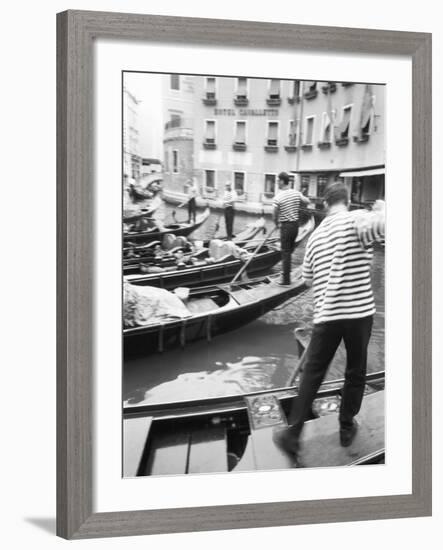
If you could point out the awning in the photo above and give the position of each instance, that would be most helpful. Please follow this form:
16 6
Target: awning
362 173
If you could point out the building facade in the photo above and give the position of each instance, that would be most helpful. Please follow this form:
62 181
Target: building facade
178 138
131 145
247 130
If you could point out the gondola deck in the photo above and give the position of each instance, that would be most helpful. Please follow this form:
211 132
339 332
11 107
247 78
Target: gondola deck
240 438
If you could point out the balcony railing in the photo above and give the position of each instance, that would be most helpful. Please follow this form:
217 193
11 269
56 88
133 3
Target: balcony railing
290 148
239 146
307 147
178 123
342 141
329 88
241 100
324 144
209 99
209 143
271 146
274 100
311 94
362 138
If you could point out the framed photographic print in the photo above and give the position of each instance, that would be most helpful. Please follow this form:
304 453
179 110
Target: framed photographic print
244 280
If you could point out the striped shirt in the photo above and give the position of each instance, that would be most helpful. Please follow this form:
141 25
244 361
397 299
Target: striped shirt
338 262
229 198
288 204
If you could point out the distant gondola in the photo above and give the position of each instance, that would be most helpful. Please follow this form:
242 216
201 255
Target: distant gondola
213 310
179 229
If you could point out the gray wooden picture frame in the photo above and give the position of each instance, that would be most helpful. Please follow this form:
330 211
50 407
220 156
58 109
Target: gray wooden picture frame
76 32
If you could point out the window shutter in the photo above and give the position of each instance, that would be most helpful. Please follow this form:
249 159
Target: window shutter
274 90
240 136
210 85
366 110
241 86
272 133
210 131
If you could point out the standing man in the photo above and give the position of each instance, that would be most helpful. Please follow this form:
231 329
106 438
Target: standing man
192 202
229 198
337 264
286 215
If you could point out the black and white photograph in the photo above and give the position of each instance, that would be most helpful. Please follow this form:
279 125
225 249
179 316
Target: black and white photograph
253 273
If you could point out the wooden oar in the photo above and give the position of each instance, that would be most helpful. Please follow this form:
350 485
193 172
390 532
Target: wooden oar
256 251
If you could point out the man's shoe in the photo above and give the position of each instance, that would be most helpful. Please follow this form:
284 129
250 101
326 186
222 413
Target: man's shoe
283 283
286 441
347 436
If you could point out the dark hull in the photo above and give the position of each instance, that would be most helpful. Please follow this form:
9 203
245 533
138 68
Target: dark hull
209 274
243 308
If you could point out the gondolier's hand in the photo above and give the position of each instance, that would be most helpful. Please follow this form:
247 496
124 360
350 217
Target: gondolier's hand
277 224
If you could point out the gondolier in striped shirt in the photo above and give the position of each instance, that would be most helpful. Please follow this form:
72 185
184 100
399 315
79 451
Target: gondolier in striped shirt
337 264
286 215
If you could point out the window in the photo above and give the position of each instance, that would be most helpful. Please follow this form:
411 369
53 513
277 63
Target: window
292 137
343 129
356 190
174 82
240 132
326 128
242 85
210 179
210 132
309 134
322 183
304 184
175 161
272 134
239 183
210 87
274 89
166 160
270 185
296 89
367 111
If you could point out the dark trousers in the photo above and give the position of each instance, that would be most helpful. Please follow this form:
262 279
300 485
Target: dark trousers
229 221
325 340
288 234
192 209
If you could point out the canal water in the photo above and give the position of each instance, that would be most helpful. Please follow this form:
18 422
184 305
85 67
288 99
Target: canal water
259 356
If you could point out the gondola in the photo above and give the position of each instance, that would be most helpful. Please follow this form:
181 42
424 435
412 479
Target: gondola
213 310
133 256
234 434
205 270
166 273
134 215
179 229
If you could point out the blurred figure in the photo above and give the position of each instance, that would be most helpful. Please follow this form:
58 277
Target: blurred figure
192 190
229 198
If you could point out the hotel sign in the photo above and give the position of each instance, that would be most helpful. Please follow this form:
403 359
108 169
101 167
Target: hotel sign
246 112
